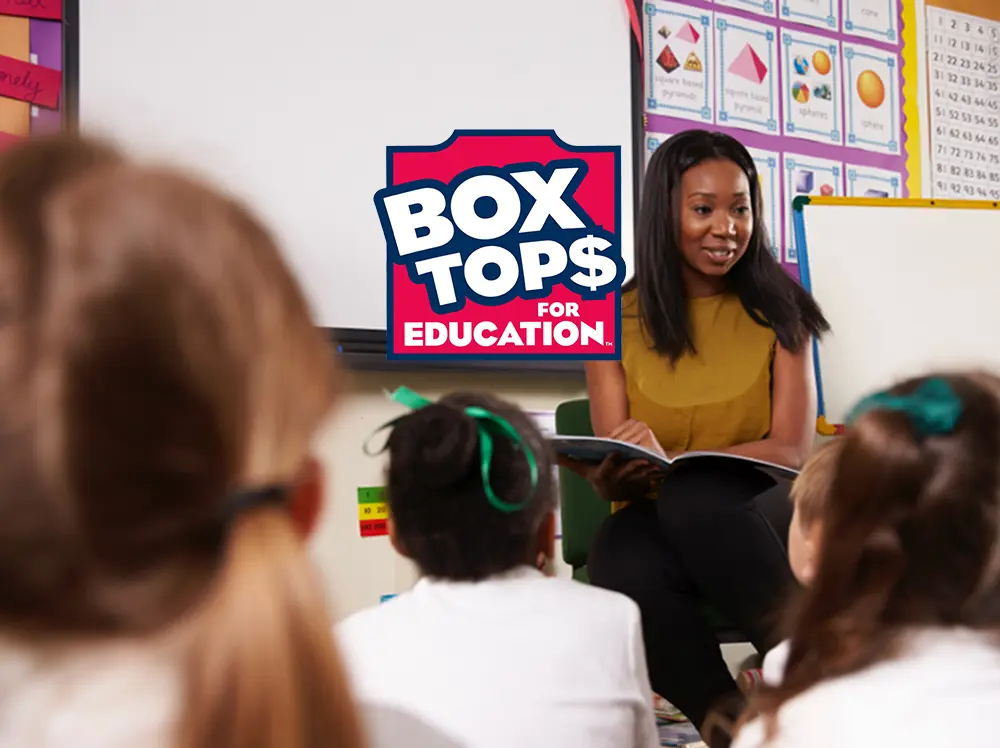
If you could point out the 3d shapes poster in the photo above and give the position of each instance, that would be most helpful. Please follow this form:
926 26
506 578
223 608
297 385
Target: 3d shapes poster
815 89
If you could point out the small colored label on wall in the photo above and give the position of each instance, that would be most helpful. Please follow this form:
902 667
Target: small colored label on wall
32 83
373 511
50 10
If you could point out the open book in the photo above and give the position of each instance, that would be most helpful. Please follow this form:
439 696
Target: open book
593 449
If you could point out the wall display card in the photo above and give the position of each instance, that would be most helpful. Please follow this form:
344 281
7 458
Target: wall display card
746 74
823 14
373 511
679 61
768 165
811 91
797 81
760 7
866 181
653 141
31 83
872 100
35 96
807 176
964 81
49 10
872 19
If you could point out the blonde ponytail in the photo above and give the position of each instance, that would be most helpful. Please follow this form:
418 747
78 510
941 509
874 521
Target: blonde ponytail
262 670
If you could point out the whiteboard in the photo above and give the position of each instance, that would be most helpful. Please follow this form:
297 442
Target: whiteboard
907 285
291 105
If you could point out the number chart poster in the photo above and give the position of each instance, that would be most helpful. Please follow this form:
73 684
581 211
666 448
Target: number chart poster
963 54
32 86
818 90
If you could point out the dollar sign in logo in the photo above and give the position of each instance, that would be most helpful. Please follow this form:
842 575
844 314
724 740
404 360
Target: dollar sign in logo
596 270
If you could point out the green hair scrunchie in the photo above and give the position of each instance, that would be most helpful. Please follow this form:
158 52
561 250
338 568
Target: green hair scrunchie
933 407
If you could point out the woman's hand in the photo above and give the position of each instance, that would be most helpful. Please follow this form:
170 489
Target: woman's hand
638 433
615 478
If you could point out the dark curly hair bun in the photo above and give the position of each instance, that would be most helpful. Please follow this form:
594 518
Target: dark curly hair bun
442 517
439 444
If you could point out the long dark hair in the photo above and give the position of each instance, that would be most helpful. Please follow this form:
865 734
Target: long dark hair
909 540
771 297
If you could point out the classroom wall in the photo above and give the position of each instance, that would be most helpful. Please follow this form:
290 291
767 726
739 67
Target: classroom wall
358 570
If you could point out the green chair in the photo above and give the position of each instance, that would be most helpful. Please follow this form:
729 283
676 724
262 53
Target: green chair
583 511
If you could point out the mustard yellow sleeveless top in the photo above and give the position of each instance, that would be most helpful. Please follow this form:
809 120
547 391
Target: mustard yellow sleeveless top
714 399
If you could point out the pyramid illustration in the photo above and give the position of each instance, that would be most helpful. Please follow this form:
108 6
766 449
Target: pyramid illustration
689 33
748 65
693 63
667 61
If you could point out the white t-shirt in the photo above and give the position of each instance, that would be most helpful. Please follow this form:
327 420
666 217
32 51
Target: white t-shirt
118 695
517 660
943 689
772 670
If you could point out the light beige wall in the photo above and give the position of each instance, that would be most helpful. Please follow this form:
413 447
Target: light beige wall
358 570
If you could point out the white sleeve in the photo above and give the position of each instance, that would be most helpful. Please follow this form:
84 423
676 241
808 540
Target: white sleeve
808 721
646 733
773 668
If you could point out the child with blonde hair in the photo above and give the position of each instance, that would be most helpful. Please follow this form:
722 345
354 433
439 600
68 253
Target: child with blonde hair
896 637
162 383
809 494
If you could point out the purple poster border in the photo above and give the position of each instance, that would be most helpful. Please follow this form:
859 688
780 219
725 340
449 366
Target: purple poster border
46 41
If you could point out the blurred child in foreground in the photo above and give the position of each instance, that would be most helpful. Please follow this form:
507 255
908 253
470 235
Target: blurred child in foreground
896 638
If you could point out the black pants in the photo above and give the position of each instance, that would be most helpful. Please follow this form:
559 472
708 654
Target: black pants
715 534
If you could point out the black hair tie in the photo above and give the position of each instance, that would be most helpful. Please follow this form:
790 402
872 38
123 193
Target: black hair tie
248 499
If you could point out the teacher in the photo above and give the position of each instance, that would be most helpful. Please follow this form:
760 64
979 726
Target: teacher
716 355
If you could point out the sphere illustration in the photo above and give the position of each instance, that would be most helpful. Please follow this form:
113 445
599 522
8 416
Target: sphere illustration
801 65
871 89
800 92
821 62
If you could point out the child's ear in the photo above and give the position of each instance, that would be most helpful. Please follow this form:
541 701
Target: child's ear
306 501
813 545
546 548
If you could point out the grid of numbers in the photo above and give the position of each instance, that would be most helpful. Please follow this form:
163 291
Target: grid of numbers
964 77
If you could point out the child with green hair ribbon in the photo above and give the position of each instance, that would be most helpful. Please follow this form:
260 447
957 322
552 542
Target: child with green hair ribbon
903 606
487 648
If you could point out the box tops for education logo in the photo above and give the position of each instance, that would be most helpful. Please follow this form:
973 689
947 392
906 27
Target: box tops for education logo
505 245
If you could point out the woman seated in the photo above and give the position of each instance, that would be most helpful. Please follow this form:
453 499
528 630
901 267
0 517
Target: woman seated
717 344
